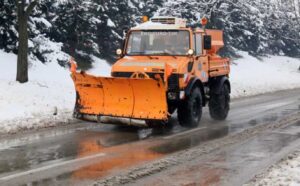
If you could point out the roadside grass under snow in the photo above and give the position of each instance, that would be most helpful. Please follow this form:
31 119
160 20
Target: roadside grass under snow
32 105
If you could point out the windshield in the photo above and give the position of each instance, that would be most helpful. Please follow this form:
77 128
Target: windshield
158 43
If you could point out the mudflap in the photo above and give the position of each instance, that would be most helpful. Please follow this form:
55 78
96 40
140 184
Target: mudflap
120 97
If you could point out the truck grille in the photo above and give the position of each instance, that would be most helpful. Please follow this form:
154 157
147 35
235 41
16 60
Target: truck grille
173 81
122 74
128 74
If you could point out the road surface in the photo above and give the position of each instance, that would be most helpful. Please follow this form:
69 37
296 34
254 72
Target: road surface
83 153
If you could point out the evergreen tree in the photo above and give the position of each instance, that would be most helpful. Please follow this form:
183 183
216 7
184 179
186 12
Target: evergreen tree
256 26
96 27
8 26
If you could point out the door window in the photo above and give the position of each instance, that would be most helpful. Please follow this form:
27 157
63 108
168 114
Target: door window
198 44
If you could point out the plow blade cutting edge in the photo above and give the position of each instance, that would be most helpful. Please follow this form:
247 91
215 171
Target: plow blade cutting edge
120 97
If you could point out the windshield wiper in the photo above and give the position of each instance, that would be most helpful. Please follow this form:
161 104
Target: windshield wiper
151 57
133 53
152 54
166 53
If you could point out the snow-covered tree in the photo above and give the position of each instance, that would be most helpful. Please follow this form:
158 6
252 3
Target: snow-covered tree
8 25
283 27
96 27
256 26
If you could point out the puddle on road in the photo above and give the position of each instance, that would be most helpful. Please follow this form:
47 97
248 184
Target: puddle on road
270 118
129 155
59 148
68 146
117 158
253 122
298 123
267 119
194 139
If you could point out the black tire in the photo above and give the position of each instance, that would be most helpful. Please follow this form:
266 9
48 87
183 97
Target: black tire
172 109
157 123
219 104
190 110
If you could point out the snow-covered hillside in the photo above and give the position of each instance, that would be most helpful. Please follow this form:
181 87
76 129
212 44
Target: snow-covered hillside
50 90
250 76
34 104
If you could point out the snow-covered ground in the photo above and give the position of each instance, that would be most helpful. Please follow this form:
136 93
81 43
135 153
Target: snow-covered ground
50 89
34 104
250 76
286 172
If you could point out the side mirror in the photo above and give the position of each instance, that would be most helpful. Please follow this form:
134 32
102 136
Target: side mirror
207 42
125 30
119 52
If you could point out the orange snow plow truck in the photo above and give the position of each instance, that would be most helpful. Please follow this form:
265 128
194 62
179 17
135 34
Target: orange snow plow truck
163 66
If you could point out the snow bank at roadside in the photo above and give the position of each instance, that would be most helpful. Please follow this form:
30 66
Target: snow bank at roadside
100 67
34 104
250 76
286 172
50 89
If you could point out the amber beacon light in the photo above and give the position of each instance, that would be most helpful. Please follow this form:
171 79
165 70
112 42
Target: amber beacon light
145 19
204 21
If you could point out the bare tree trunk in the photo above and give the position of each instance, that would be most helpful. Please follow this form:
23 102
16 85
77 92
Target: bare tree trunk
22 64
296 11
299 6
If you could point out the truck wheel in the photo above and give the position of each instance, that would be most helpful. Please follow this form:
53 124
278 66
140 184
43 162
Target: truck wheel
190 110
171 109
219 104
157 123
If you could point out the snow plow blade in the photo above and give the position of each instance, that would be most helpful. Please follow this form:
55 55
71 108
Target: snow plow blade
120 97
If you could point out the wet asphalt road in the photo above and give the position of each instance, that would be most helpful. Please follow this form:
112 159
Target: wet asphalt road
233 165
81 153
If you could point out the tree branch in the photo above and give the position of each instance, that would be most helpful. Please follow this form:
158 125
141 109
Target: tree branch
31 7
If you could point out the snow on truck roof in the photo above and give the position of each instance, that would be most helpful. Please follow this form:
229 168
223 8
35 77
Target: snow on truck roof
165 23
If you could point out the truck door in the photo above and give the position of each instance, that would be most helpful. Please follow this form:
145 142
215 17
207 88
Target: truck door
201 61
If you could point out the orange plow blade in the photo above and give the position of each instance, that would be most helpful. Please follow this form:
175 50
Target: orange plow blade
120 97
